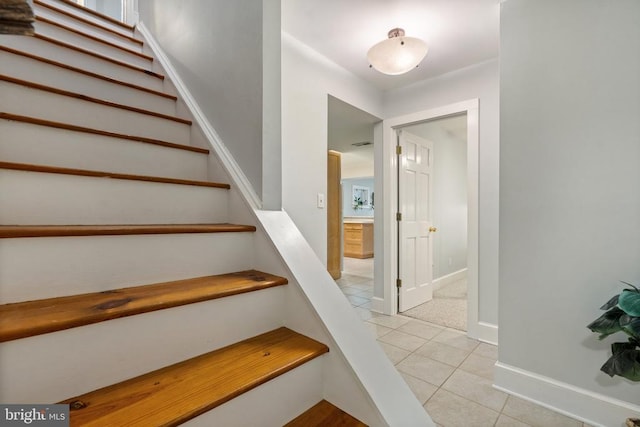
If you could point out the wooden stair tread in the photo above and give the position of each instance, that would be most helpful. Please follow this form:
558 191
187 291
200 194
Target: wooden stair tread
87 73
17 231
86 21
66 126
98 55
91 37
25 319
180 392
87 98
100 174
325 414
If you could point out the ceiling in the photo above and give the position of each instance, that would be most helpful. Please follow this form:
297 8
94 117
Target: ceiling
459 33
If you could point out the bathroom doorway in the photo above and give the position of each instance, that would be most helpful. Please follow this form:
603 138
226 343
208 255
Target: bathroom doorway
351 138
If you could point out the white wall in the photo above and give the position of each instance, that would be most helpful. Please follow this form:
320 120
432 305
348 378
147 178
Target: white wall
569 185
449 207
216 47
307 80
358 163
480 81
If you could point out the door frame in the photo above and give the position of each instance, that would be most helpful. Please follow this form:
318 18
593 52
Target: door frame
388 232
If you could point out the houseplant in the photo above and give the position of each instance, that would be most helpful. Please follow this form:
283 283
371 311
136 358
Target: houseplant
622 315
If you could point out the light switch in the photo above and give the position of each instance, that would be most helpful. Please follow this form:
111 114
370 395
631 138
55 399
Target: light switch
321 200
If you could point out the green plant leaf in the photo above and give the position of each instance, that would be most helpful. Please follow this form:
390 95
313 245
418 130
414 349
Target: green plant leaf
629 301
608 323
625 363
611 303
629 284
618 347
631 326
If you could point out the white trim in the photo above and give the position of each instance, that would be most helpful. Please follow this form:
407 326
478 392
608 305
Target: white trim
449 279
476 329
592 408
130 12
389 394
377 304
487 332
227 160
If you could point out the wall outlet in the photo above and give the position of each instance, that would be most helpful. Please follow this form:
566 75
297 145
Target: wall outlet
321 200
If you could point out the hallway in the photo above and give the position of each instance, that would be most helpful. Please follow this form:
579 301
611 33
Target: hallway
451 375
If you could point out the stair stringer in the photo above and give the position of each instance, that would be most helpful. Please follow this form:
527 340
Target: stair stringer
357 375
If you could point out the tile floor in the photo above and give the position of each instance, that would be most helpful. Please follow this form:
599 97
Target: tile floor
450 374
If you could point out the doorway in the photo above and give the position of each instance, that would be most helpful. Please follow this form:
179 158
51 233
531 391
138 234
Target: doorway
446 232
388 237
351 139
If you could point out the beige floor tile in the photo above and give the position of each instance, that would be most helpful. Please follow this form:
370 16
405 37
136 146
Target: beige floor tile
365 314
366 285
478 365
350 290
505 421
361 266
426 369
456 339
402 340
454 411
421 329
364 294
487 350
422 389
393 322
443 353
377 330
536 415
352 279
476 389
395 354
354 300
366 305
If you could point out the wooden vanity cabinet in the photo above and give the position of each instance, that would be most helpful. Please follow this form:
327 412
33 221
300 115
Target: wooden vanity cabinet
358 239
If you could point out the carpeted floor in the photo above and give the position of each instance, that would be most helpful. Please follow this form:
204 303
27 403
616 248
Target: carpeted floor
448 307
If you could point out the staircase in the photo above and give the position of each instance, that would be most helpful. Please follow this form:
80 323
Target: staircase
127 290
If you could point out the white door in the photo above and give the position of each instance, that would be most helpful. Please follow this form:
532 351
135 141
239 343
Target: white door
415 258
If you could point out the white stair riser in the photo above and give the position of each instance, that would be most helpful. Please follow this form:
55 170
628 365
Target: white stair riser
50 75
63 364
21 100
47 267
80 60
89 17
42 145
82 42
88 29
272 404
32 198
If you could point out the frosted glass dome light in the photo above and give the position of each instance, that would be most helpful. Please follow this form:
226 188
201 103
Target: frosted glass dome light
397 54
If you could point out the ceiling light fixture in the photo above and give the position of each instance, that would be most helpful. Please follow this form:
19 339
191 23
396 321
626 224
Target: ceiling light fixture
397 54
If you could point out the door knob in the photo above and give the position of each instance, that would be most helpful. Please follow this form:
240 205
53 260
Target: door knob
432 229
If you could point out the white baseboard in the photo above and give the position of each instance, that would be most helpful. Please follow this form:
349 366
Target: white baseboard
487 332
377 304
449 278
592 408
